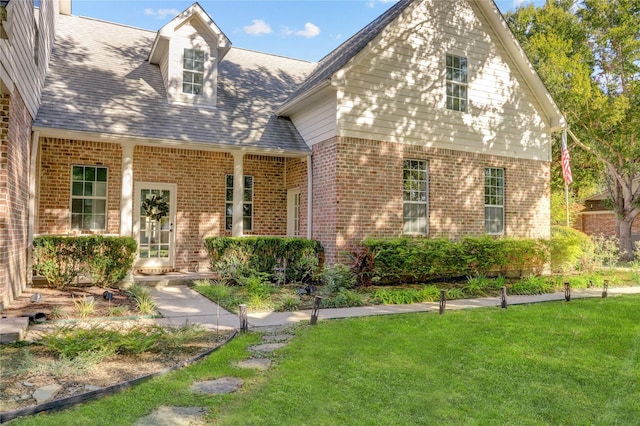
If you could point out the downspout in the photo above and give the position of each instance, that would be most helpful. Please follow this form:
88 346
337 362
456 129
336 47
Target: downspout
33 169
309 197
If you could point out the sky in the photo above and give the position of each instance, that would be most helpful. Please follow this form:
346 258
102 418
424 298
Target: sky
301 29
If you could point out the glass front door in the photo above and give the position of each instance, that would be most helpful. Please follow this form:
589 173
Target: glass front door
155 205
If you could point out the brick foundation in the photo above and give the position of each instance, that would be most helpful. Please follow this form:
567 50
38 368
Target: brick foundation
601 223
358 193
15 141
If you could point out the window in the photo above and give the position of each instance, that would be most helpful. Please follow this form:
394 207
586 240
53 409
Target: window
494 201
456 83
293 212
192 71
415 196
247 205
89 198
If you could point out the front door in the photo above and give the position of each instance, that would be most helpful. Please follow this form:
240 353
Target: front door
155 221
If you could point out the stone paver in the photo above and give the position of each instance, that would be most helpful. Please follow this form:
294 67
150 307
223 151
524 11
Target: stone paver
261 364
173 416
267 347
218 386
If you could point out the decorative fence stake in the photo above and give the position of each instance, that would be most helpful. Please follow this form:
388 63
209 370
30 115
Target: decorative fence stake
316 308
605 289
503 297
567 291
443 301
244 323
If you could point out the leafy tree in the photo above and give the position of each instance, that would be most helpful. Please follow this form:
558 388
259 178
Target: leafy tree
588 55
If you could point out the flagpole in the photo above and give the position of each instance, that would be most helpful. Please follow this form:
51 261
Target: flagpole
566 196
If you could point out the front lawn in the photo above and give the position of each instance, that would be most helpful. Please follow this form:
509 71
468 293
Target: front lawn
550 363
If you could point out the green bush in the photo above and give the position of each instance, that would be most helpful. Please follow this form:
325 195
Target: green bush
532 284
411 260
570 249
62 259
338 277
245 256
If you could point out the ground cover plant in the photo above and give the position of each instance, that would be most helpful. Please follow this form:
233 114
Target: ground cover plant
551 363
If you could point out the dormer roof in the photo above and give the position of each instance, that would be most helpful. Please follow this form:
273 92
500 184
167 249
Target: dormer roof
196 16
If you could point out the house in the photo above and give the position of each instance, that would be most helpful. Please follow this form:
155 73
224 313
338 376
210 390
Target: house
430 121
26 37
597 217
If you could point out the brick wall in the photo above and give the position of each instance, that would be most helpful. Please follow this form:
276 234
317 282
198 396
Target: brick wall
15 141
601 223
325 201
57 156
368 179
200 180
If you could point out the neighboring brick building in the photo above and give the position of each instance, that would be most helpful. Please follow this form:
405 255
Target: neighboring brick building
596 218
440 130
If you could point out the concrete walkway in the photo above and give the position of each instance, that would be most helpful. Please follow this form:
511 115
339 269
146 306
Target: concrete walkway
180 304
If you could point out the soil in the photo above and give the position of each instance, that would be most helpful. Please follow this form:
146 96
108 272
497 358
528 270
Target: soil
27 366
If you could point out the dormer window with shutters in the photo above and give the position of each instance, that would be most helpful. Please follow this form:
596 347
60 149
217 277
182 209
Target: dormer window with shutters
188 50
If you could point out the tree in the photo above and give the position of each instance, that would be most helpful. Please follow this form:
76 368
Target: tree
588 55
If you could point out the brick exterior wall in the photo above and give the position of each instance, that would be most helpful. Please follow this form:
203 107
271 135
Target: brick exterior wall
15 142
57 156
368 193
200 179
601 223
296 171
325 200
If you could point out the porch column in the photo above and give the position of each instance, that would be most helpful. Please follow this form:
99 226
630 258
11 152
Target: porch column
237 229
309 197
126 197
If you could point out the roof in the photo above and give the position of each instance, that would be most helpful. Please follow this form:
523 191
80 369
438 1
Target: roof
100 82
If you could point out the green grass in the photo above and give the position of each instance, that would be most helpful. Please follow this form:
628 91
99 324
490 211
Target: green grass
551 363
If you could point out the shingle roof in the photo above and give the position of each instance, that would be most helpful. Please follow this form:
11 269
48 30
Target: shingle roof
99 81
342 54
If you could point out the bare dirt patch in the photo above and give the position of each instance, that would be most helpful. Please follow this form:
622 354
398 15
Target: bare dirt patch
27 366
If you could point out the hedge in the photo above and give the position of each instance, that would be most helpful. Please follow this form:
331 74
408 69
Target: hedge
412 260
62 259
247 255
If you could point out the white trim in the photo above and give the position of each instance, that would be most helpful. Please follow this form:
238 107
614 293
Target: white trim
126 196
83 197
162 143
33 170
237 228
309 196
293 196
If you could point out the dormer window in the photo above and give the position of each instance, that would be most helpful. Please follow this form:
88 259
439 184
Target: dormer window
193 71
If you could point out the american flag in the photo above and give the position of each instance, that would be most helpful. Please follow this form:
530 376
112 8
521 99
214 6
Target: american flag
566 168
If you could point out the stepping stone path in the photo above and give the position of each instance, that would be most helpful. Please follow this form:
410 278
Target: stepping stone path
272 338
174 416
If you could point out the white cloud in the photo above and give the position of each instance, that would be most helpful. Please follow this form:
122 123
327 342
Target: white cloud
161 13
372 3
310 31
286 31
257 27
518 3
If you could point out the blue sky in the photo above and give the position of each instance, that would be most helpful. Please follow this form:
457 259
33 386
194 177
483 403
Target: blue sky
303 29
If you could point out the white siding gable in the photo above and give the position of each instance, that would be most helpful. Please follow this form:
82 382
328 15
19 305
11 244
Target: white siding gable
394 90
18 65
191 36
317 121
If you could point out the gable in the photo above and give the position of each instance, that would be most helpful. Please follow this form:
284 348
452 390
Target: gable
174 46
394 89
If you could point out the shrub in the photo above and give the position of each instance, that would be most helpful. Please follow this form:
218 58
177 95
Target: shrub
606 251
338 277
62 259
412 260
532 285
362 262
570 249
343 299
395 296
234 257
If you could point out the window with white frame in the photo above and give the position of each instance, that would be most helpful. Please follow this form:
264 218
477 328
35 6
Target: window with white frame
494 201
193 71
415 197
89 198
456 83
247 203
